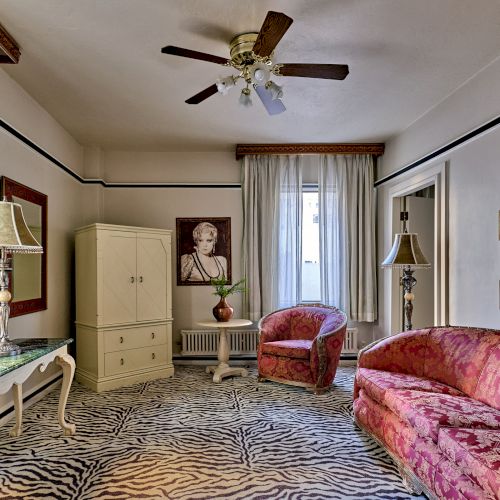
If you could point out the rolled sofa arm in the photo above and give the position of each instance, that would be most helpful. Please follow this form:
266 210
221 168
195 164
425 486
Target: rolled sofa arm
402 353
325 355
274 326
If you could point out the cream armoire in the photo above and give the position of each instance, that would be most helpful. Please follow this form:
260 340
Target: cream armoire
123 305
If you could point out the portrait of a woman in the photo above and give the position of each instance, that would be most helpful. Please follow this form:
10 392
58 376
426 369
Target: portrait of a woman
204 259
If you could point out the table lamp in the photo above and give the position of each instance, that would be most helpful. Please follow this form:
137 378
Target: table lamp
15 237
406 254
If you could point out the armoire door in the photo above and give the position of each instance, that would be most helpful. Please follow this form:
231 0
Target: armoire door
152 258
118 277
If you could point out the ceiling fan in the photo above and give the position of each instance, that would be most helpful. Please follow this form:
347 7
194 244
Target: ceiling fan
252 54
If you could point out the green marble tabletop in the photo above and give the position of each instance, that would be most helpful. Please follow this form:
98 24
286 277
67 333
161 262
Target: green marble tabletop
31 349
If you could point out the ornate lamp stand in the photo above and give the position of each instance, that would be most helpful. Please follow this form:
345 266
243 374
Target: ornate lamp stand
406 254
408 281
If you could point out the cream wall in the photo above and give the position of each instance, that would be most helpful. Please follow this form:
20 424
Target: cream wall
19 162
22 112
159 207
474 201
195 167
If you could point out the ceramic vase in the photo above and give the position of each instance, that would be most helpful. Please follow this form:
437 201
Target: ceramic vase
223 311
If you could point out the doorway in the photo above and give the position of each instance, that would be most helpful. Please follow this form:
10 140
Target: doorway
424 197
419 210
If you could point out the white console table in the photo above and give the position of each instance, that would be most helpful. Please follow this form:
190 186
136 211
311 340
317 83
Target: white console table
223 369
37 354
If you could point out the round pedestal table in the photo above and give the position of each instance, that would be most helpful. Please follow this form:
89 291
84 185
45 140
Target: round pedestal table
223 369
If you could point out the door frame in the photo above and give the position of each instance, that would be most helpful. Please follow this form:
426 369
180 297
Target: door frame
436 175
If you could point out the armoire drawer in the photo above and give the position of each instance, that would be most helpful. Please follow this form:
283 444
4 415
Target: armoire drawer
133 338
134 359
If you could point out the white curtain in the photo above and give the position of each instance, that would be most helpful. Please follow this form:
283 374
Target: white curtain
347 235
272 231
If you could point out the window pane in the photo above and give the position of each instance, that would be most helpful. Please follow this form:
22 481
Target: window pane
311 290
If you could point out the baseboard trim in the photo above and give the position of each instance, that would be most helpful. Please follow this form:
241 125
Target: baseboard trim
197 361
32 396
238 361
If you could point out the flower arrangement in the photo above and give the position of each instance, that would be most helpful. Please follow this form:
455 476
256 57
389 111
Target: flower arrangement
223 290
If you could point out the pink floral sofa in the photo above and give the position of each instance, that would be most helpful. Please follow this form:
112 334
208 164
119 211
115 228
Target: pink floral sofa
301 346
432 398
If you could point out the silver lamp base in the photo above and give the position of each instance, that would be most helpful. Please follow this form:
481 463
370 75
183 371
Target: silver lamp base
9 349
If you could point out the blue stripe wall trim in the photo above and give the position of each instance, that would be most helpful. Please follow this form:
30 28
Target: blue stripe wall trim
39 150
28 142
18 135
440 151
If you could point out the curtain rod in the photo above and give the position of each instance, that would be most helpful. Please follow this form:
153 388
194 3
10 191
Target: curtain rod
375 149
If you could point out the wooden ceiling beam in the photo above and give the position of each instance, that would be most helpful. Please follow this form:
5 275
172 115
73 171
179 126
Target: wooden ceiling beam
375 149
10 52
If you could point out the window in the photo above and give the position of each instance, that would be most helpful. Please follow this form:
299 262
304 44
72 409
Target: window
311 285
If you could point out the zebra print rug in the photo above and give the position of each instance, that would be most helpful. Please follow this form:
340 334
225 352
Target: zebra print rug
187 438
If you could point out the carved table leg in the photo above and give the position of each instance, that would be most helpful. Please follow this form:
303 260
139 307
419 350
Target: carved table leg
67 363
17 393
223 369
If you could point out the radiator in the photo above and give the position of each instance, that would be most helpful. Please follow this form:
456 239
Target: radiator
206 342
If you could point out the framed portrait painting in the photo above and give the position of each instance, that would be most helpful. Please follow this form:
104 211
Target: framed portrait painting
203 250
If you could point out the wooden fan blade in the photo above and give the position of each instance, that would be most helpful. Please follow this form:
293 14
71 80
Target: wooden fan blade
274 27
329 71
204 94
192 54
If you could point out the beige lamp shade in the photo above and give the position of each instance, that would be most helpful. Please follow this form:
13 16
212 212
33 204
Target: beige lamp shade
406 252
15 237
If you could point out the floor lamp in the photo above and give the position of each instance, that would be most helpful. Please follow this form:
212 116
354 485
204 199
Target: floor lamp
406 254
15 237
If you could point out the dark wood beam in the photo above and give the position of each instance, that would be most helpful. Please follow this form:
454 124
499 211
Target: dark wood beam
375 149
9 50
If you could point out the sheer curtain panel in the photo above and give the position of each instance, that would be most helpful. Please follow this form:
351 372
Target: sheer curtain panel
272 230
347 235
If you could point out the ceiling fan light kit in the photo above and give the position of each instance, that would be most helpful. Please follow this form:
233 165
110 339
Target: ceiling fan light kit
251 54
275 90
224 84
245 99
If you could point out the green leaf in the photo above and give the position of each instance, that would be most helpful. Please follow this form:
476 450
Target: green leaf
222 289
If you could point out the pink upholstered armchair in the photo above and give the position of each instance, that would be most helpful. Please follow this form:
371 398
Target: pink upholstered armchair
301 346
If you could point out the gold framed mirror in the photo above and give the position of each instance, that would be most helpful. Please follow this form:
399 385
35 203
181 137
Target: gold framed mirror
28 281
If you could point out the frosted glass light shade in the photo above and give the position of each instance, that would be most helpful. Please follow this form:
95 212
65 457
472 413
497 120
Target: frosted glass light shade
224 84
245 99
260 73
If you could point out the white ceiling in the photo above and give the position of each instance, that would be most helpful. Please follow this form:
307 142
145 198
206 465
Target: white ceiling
96 66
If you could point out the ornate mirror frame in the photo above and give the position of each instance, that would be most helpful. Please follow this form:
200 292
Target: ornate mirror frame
12 188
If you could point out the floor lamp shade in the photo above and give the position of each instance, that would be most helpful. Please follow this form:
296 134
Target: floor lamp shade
405 252
407 255
15 237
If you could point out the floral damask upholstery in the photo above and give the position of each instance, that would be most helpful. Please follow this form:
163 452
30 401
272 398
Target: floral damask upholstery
301 345
376 383
432 398
427 412
297 349
476 452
